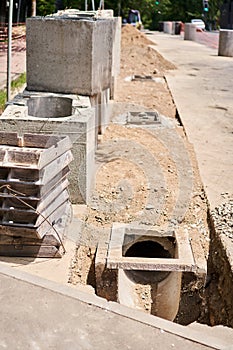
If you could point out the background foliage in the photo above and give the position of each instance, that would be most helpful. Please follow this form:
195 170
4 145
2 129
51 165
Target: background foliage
152 11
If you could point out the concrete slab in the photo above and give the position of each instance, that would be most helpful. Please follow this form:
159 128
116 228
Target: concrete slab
184 260
202 91
44 314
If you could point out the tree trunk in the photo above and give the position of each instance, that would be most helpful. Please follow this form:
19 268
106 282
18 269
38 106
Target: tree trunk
33 7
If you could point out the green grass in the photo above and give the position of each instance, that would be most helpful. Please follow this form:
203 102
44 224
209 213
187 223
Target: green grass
15 84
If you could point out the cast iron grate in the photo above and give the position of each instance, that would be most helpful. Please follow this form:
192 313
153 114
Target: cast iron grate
143 118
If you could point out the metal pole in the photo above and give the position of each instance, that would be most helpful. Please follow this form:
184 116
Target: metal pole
101 5
119 8
18 13
9 50
93 5
85 5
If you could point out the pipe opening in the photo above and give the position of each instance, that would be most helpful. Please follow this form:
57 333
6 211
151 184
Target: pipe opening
147 249
49 107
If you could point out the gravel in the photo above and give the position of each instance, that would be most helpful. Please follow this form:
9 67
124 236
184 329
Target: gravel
223 219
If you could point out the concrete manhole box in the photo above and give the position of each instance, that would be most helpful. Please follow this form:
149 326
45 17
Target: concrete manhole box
180 258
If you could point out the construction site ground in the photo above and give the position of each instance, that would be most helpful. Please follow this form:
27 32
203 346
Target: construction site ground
121 189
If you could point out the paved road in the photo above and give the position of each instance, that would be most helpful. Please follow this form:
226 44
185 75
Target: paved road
202 90
209 39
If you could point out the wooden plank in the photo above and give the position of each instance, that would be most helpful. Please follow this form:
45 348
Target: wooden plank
56 166
17 240
4 172
18 231
33 190
30 174
27 160
32 218
54 146
51 196
17 217
31 251
58 219
56 179
54 152
10 202
41 140
9 138
23 156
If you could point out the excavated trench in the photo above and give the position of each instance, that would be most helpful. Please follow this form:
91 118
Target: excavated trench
182 296
157 186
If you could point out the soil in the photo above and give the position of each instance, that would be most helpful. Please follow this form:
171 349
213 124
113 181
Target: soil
144 175
126 188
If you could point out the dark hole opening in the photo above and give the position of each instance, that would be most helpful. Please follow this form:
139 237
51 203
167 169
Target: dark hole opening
147 249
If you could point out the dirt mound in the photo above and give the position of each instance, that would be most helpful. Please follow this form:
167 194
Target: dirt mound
137 55
131 35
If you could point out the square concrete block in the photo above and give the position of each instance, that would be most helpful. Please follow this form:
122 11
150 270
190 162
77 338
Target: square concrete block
125 236
70 55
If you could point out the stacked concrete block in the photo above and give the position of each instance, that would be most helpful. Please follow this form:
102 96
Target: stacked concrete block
69 55
72 63
34 200
59 114
74 53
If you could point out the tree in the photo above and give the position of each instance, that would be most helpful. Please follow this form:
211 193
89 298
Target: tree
45 7
152 11
33 7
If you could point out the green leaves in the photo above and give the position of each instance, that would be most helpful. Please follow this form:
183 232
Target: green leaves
152 11
45 7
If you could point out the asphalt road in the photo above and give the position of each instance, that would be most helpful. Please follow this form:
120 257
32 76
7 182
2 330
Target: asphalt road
209 39
201 87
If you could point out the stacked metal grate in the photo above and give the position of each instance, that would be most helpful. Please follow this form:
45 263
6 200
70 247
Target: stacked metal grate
34 199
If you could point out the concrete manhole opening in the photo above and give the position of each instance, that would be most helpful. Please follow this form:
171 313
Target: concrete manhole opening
49 107
149 265
149 248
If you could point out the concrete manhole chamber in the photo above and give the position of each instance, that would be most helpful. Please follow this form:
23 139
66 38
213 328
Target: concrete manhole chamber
49 107
149 266
58 114
156 291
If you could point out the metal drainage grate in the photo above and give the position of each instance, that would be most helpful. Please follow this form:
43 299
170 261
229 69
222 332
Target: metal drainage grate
142 77
145 78
143 118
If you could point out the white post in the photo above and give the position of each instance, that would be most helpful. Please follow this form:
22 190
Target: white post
9 50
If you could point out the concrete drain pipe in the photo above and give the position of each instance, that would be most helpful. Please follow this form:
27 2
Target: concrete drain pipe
149 268
157 292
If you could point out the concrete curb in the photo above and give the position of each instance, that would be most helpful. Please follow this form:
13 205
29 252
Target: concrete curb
115 308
